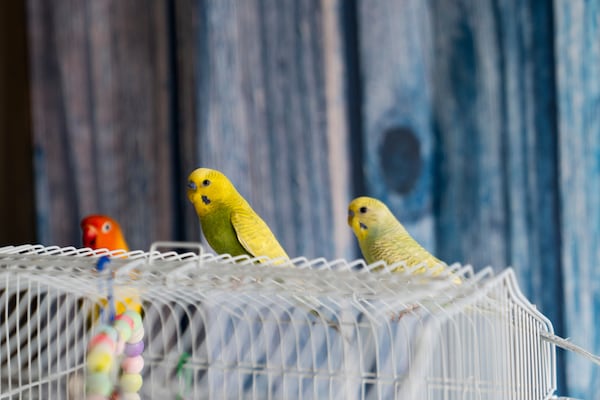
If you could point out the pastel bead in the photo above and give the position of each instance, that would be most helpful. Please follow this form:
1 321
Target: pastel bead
92 396
124 317
101 338
101 348
135 317
120 347
99 361
130 383
130 396
134 349
98 383
124 329
132 365
137 335
110 331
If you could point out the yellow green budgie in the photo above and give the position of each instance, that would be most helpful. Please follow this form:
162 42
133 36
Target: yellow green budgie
382 237
228 222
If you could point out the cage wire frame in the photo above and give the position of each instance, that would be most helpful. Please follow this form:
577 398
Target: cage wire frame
229 327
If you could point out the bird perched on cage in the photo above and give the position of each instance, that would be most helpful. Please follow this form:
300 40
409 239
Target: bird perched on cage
228 222
382 237
103 232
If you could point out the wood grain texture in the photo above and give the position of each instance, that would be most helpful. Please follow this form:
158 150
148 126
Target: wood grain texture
531 156
578 78
101 117
495 99
262 116
395 49
477 121
529 119
471 193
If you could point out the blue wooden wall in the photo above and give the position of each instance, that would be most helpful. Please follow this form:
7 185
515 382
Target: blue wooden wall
477 121
577 44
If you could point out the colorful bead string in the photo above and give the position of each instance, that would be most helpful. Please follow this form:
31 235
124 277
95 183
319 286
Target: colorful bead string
124 337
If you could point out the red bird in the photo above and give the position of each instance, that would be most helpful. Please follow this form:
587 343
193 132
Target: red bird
102 232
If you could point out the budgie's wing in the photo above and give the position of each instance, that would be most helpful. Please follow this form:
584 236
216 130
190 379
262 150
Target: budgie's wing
255 236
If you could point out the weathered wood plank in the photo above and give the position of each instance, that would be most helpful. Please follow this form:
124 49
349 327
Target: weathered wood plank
578 75
495 115
101 117
531 156
395 50
128 119
470 200
263 116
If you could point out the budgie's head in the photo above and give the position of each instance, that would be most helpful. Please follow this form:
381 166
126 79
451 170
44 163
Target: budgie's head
102 232
208 189
365 214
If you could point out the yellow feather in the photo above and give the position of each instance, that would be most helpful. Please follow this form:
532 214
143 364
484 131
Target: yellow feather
228 222
382 237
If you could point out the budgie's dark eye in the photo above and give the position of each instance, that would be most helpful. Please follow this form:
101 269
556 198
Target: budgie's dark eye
205 182
191 185
363 210
106 227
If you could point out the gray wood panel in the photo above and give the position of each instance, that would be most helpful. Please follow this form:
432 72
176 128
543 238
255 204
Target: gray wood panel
264 117
101 117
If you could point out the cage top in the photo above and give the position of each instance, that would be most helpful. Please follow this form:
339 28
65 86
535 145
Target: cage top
201 275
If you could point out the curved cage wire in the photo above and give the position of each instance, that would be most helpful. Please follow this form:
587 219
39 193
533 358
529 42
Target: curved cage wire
223 327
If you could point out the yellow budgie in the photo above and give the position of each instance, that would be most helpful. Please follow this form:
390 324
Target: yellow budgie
383 238
228 222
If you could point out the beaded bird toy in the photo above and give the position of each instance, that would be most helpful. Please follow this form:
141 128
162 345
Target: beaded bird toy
118 340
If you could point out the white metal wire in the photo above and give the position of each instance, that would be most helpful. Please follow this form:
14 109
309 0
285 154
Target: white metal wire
223 327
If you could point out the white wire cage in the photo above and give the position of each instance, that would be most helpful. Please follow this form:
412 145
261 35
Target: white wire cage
223 328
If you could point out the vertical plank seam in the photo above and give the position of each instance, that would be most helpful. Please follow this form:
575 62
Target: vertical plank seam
354 98
337 127
177 228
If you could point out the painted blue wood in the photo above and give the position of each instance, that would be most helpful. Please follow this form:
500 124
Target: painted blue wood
531 156
470 194
263 115
531 153
397 137
578 79
457 128
494 88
